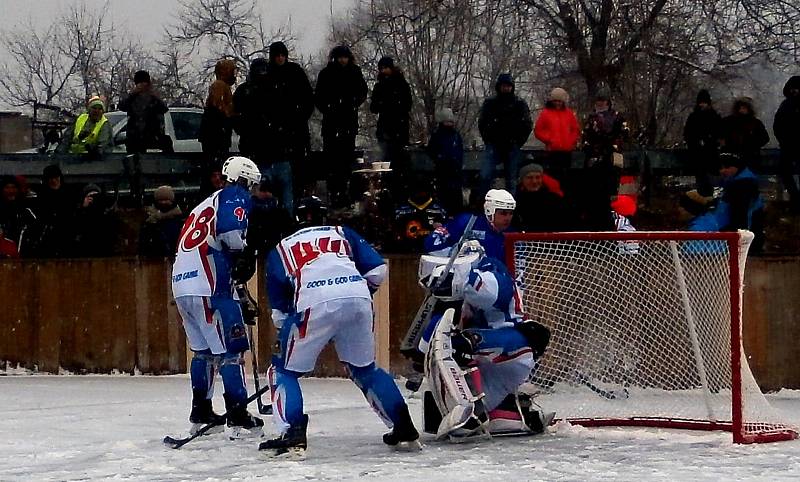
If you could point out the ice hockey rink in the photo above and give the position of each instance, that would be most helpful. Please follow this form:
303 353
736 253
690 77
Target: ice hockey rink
65 428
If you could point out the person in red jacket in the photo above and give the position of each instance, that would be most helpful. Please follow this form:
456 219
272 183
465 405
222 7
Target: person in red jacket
557 127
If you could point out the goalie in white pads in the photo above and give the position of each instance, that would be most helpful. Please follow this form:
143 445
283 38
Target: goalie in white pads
476 360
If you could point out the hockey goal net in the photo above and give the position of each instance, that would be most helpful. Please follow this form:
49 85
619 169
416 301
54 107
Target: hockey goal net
645 330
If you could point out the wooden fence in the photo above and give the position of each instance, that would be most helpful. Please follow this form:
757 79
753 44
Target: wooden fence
102 315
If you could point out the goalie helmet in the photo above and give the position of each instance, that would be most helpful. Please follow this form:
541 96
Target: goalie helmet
310 211
239 168
498 199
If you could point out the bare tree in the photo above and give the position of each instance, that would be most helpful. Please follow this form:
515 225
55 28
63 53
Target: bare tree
224 29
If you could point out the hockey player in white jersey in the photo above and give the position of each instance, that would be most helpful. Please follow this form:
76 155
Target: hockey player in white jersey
319 282
477 358
203 279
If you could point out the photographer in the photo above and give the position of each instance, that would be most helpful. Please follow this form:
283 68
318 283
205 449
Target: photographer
94 225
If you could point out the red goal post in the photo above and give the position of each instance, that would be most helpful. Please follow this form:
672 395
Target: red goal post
646 330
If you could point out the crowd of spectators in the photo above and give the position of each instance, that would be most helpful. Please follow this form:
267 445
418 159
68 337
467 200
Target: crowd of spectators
270 111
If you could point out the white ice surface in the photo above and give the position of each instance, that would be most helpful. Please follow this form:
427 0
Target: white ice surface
110 428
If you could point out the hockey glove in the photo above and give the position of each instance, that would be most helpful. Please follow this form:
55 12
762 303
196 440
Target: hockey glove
244 267
248 305
537 335
465 344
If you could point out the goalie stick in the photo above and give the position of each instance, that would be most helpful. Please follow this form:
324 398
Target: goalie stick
176 443
410 343
608 394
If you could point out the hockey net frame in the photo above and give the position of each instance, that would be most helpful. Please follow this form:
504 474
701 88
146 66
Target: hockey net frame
547 258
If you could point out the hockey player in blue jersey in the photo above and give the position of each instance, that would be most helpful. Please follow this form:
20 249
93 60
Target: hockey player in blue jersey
205 272
498 208
319 281
479 354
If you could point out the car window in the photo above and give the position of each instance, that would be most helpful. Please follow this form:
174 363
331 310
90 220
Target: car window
186 124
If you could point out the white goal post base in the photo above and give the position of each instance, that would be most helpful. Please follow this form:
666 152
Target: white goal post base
646 330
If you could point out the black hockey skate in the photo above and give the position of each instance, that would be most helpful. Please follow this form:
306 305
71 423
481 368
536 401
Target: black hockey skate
404 436
241 423
203 414
292 444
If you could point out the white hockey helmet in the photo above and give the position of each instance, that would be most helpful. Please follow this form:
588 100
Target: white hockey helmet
239 168
498 199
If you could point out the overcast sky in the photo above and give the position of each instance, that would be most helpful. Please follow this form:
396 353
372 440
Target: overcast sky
147 18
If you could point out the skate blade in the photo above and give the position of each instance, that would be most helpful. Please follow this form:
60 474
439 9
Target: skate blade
408 446
215 429
289 453
240 433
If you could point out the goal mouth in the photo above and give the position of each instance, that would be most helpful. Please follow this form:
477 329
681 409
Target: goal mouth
645 330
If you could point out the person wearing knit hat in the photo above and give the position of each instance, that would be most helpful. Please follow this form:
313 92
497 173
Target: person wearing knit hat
505 124
158 236
446 149
539 208
391 100
557 128
786 127
145 129
701 133
91 132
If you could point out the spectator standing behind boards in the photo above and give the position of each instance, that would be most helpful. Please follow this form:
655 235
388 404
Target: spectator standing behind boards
15 218
539 210
742 133
279 99
557 127
91 132
604 133
215 126
145 129
53 210
701 134
160 231
94 225
741 205
505 124
787 130
391 100
446 149
340 90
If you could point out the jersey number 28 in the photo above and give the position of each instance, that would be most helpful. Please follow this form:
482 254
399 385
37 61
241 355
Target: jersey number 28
196 229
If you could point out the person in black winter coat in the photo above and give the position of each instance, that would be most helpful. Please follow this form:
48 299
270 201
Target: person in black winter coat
742 133
340 90
446 149
94 225
53 207
787 131
391 100
538 210
274 106
505 125
15 217
145 129
701 134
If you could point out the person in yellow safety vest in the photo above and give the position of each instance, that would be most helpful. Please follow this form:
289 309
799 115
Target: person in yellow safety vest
91 133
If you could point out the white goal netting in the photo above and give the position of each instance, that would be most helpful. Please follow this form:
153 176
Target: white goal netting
644 328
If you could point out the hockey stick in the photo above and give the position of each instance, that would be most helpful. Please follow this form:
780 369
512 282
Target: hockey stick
176 443
410 342
608 394
244 297
262 408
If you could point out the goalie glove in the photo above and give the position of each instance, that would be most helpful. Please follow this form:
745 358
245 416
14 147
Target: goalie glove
536 334
248 305
445 286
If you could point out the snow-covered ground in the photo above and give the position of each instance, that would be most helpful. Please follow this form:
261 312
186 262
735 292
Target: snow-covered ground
110 427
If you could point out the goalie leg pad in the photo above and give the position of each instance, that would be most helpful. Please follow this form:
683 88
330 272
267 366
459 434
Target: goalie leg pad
463 413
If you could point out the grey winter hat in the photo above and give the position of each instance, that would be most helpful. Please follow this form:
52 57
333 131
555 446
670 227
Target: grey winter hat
445 115
559 94
530 168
